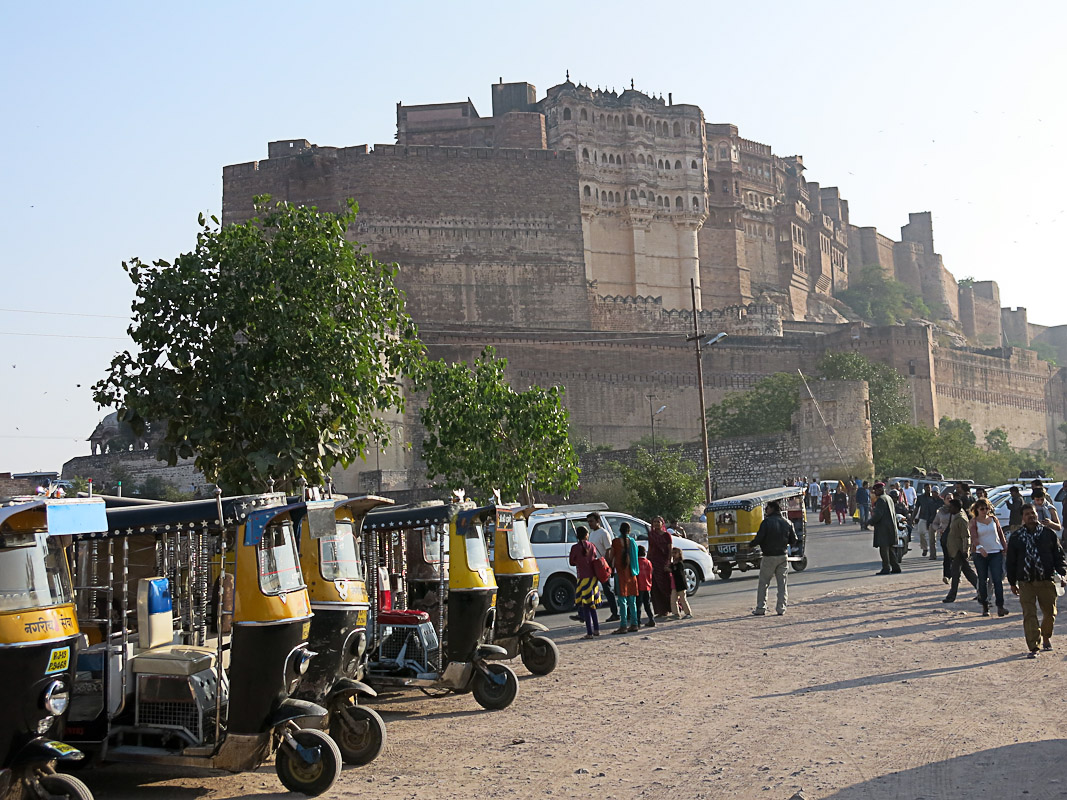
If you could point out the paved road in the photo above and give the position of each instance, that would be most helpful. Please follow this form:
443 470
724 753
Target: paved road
838 556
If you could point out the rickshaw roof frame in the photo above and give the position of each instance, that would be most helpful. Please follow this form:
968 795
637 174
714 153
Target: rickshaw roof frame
747 502
187 515
67 517
362 504
260 518
406 518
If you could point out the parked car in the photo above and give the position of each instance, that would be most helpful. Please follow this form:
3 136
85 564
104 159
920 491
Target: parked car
1000 507
553 533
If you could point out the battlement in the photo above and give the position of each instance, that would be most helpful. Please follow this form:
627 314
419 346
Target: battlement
749 146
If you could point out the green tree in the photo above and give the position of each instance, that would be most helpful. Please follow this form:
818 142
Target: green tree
271 350
901 447
958 428
765 408
997 440
483 435
887 388
875 297
663 484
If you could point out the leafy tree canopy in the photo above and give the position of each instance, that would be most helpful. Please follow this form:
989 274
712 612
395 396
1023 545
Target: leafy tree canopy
663 484
765 408
877 298
483 435
997 440
887 388
271 350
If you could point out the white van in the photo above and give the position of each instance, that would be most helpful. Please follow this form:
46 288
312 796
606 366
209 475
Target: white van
553 533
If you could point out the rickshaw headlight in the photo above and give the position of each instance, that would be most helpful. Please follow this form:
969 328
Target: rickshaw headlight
56 698
304 661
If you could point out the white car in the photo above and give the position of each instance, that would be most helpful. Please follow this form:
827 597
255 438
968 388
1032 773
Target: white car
1000 507
552 534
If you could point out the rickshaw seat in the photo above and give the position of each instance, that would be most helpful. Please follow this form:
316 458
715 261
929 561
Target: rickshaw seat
173 659
403 617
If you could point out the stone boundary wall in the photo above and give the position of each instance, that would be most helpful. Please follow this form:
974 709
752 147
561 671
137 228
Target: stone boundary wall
138 465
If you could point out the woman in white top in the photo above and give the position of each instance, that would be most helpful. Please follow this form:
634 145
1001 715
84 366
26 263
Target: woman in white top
988 545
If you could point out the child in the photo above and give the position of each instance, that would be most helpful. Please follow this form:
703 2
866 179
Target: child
679 602
644 587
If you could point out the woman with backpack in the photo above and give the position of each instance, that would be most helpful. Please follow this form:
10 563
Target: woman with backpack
587 594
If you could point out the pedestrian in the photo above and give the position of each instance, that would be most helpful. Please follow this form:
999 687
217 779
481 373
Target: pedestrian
988 544
850 490
863 504
1034 564
624 562
659 553
1015 504
963 494
827 501
679 602
814 495
773 539
587 593
941 522
644 586
884 523
600 537
840 503
957 547
1061 498
1046 511
910 495
926 506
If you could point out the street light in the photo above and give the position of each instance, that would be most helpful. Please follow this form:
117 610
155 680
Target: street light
702 340
652 419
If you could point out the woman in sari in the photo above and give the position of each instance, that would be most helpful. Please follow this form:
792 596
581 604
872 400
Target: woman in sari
659 553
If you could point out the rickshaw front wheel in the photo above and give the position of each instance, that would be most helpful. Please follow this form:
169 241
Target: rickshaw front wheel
491 695
60 785
539 654
359 733
800 566
297 775
725 571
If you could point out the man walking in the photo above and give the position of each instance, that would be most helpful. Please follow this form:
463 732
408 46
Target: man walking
773 539
926 507
814 495
600 538
1034 564
884 522
957 549
1015 505
863 504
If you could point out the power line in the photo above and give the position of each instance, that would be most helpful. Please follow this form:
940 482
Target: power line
58 438
62 336
62 313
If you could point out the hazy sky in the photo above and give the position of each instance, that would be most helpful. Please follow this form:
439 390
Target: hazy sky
118 119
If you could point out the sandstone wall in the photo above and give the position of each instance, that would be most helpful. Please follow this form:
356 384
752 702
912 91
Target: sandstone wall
138 465
483 236
1016 328
980 314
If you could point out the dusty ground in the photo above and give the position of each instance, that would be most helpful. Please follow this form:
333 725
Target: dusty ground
877 691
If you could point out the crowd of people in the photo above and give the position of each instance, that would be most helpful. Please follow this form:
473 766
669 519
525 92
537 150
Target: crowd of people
621 573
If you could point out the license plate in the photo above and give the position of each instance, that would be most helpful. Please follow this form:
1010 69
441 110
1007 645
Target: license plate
306 630
537 580
727 548
361 617
61 748
58 661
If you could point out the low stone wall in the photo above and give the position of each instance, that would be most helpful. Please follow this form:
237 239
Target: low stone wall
136 466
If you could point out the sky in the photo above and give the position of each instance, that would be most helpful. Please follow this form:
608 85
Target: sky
119 117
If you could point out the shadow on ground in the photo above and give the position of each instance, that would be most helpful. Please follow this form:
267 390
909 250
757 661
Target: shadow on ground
1028 769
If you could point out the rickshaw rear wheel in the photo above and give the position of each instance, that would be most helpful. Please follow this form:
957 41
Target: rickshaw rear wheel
539 654
725 571
297 775
359 733
60 785
800 566
493 696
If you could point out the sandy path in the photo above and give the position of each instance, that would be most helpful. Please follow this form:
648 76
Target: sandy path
873 691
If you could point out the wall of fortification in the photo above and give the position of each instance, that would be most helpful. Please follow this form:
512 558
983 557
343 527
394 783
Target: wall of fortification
648 314
1056 336
725 277
834 432
980 316
489 236
1015 327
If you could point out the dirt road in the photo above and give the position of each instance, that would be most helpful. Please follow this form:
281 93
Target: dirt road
872 691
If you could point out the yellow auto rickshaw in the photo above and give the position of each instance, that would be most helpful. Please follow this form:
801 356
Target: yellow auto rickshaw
733 522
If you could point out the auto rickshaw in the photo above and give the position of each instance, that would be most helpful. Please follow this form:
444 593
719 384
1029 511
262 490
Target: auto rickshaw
517 575
733 522
170 683
39 639
436 635
328 535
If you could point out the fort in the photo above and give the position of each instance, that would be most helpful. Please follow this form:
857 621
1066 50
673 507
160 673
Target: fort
579 233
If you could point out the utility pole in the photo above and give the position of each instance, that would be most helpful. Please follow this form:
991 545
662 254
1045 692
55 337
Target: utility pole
652 421
698 339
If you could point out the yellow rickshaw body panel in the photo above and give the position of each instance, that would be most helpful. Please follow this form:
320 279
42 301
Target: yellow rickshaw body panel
38 625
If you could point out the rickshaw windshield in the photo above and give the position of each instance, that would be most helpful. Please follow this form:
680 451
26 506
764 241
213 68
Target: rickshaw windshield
338 556
279 564
474 539
519 540
34 576
434 544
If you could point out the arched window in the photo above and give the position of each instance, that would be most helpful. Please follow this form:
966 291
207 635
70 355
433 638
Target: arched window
678 202
585 154
696 203
692 127
629 119
648 123
603 158
633 158
640 121
640 158
642 194
584 116
724 152
667 164
633 194
694 164
586 192
725 188
611 159
618 197
677 164
601 120
677 129
659 127
566 113
660 163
